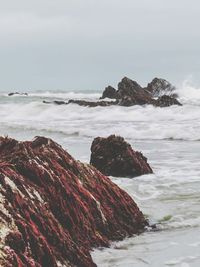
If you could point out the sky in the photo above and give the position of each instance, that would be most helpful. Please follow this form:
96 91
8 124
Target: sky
88 44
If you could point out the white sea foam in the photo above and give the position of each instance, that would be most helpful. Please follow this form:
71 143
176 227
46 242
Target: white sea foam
181 123
66 95
189 93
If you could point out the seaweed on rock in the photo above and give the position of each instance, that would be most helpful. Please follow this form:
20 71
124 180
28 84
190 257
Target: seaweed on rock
54 209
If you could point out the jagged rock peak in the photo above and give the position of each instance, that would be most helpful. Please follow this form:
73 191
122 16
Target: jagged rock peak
158 87
127 87
109 92
131 93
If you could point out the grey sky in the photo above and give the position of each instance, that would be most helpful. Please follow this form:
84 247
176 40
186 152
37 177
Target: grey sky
87 44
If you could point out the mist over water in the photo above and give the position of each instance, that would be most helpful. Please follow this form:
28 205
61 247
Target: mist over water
168 137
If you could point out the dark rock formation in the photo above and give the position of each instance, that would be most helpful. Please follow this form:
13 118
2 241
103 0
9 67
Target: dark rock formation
57 102
110 92
17 93
159 87
166 101
83 103
92 103
54 209
114 156
130 93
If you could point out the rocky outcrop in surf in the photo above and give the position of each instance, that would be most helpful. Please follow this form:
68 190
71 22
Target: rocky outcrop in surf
159 93
131 93
83 103
114 156
156 88
159 87
167 101
92 103
54 209
110 92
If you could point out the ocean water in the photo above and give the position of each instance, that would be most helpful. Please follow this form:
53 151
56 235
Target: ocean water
168 137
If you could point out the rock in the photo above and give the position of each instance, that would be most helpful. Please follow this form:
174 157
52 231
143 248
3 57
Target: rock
114 156
159 87
84 103
127 101
54 209
128 87
110 92
57 102
93 104
131 93
166 101
17 93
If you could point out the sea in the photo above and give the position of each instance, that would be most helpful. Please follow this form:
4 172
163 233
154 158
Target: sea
168 137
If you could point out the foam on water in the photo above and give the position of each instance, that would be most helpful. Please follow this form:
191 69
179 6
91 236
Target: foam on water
66 95
189 93
170 198
178 123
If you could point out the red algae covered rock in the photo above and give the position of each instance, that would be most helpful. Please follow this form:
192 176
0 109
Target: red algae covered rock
54 209
114 156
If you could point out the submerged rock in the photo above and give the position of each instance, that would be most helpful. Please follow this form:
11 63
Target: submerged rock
114 156
83 103
17 93
57 102
54 209
92 103
159 87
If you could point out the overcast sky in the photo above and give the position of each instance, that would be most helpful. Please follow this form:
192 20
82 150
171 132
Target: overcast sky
87 44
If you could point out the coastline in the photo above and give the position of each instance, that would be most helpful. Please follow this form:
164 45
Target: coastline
170 140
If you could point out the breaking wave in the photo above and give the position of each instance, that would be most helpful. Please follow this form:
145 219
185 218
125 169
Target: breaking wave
136 122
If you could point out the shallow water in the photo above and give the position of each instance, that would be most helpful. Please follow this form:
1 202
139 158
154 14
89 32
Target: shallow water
170 198
168 137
